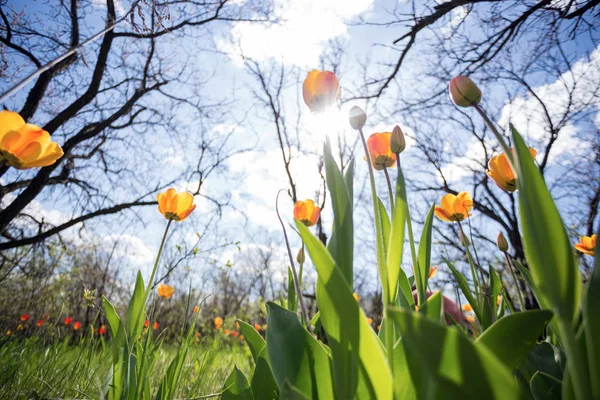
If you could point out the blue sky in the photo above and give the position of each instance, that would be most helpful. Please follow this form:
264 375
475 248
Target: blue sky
253 178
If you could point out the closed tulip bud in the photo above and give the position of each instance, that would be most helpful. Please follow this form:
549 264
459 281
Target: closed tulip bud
502 243
464 92
300 256
464 240
397 141
357 117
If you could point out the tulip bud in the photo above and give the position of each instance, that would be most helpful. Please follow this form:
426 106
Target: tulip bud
464 240
358 118
300 256
464 92
502 243
397 141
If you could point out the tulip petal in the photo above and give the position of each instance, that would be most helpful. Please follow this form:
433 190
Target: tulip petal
9 121
441 214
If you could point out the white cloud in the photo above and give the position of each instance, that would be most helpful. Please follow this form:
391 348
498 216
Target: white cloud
303 30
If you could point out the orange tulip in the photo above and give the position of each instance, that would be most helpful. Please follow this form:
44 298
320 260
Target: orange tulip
218 322
24 145
226 331
102 330
320 90
40 322
369 320
155 326
24 317
68 321
379 150
20 327
432 272
257 327
501 173
234 333
306 212
467 308
454 208
175 206
498 299
196 309
470 319
146 323
587 244
9 333
165 291
76 325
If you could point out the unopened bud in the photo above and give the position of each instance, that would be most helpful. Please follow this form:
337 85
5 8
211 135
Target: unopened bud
397 141
502 243
464 92
357 117
464 240
300 256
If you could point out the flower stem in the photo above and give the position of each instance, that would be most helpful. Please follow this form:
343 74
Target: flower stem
514 276
576 363
391 193
160 249
493 128
293 267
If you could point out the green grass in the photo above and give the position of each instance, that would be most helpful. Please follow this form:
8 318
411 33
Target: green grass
31 369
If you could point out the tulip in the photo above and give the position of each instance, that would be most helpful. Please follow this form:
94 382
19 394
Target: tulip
356 296
454 208
20 327
501 173
218 321
369 320
9 333
357 117
379 150
498 299
432 272
196 309
146 323
307 212
464 92
397 140
502 243
587 245
76 325
68 321
175 206
40 323
24 317
102 330
257 327
300 256
24 145
165 291
467 308
234 333
320 90
155 326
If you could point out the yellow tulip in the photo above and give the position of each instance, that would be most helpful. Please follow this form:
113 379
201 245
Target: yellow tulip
501 173
379 150
454 208
320 90
165 291
175 206
587 245
306 212
24 146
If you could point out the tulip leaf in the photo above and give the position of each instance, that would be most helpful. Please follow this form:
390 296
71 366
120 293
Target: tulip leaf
296 356
395 248
111 316
349 181
253 338
385 224
292 300
464 287
422 267
404 388
236 387
545 387
289 392
591 311
263 382
136 311
337 306
547 247
456 366
523 329
341 244
433 308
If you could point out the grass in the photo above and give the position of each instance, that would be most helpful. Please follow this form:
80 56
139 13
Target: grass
32 369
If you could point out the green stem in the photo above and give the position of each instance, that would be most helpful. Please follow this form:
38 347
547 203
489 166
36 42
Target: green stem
512 272
476 281
493 128
389 332
391 193
160 249
578 371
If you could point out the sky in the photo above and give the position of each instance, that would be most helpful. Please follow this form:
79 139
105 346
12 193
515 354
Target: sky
299 41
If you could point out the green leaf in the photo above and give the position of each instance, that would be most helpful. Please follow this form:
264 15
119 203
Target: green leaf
254 340
344 319
403 382
422 267
289 392
111 316
464 287
296 356
395 248
433 308
236 387
512 337
136 311
263 381
341 244
547 247
591 315
457 367
292 302
349 181
545 387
